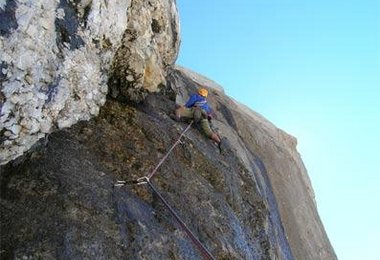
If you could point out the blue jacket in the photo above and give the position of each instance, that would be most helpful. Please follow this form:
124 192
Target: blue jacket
197 100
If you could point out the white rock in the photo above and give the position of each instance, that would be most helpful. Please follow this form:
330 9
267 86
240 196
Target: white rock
8 134
60 13
35 126
45 126
11 87
32 31
15 129
64 123
45 80
2 4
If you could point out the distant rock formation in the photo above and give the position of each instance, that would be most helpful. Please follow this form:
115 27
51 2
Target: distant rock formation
57 56
60 61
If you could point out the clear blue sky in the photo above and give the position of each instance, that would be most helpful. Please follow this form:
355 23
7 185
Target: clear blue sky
313 69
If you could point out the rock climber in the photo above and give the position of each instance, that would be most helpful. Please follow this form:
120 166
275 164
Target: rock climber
197 108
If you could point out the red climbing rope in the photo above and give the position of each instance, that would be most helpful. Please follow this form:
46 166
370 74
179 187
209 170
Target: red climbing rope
146 180
205 253
170 150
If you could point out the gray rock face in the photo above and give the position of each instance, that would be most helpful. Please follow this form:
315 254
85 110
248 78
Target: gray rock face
254 201
62 194
56 58
57 201
251 134
151 43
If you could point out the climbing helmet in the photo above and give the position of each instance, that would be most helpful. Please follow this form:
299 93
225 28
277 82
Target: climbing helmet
203 92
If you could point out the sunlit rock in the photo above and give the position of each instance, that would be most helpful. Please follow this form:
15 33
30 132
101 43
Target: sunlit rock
56 59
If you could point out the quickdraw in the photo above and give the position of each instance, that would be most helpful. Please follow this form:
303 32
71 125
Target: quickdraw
146 180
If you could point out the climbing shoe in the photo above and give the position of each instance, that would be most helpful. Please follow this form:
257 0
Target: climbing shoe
224 146
174 117
221 146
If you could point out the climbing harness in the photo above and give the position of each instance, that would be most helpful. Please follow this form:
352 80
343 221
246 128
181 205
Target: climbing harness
146 180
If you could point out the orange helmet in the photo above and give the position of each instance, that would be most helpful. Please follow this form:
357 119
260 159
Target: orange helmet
203 92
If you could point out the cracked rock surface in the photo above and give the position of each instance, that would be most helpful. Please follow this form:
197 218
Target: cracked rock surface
87 87
253 201
57 56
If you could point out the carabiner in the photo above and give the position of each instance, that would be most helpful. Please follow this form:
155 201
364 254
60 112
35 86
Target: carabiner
142 180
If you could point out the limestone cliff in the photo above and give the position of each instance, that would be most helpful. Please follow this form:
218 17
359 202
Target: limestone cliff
56 58
60 59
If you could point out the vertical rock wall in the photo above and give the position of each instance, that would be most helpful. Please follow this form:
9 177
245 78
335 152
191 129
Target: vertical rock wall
253 201
56 58
151 43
